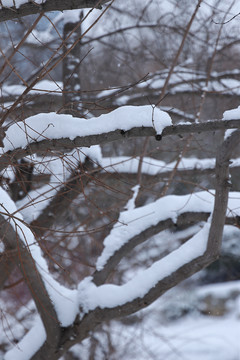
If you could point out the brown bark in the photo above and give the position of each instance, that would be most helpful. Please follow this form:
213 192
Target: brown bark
30 8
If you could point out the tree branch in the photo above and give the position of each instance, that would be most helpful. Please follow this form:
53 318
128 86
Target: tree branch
30 8
61 201
65 144
99 277
35 284
7 264
222 190
81 329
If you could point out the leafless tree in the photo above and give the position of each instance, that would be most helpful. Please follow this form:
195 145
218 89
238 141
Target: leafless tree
60 197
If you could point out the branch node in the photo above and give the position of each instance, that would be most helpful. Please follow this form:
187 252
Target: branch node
158 137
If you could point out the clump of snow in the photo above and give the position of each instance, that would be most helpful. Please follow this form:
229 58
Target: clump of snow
2 247
130 165
159 123
55 126
131 202
233 114
228 133
37 37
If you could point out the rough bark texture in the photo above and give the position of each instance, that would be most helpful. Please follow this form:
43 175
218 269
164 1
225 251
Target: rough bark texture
65 144
71 67
34 281
222 189
30 8
61 202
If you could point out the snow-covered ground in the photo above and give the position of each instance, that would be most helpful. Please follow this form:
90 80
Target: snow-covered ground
153 334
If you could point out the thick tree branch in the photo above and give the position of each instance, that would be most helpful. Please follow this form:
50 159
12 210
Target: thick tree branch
222 190
99 277
61 202
65 144
188 218
30 8
35 284
7 264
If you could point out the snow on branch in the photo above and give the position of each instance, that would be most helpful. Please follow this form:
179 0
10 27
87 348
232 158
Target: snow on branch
64 174
46 132
184 80
52 126
56 304
138 225
233 114
153 167
134 222
59 294
29 344
108 301
195 254
110 296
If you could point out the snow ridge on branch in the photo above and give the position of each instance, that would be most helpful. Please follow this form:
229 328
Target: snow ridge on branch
53 126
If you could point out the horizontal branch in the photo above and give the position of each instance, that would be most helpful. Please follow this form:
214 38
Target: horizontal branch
66 144
31 8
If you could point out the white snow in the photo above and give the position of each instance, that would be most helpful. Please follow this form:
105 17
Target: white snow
131 202
71 16
42 87
222 290
40 37
18 3
191 338
60 169
133 222
233 114
228 133
108 295
29 344
195 339
54 126
106 93
64 299
151 166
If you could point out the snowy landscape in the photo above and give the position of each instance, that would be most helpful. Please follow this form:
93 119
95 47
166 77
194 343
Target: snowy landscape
120 167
